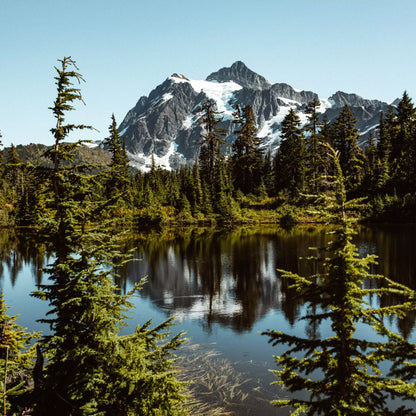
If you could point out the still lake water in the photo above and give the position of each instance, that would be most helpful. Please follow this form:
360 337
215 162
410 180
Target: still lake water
223 289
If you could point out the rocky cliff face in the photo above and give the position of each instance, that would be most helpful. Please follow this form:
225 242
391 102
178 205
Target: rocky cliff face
241 75
166 123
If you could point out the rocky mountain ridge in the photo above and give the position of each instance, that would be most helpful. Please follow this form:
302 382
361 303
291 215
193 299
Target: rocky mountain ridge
165 125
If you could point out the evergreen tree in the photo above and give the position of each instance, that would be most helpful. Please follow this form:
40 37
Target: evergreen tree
16 359
154 179
13 173
221 193
246 158
384 141
12 158
117 183
403 149
342 371
197 194
383 153
32 207
346 142
289 163
173 190
267 173
92 369
315 162
212 141
406 115
371 166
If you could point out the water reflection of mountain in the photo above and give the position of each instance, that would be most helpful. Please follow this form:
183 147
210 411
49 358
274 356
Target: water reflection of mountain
228 277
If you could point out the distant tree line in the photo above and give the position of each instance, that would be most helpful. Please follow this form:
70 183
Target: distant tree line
224 180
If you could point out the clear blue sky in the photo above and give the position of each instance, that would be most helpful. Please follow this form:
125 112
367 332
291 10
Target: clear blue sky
126 48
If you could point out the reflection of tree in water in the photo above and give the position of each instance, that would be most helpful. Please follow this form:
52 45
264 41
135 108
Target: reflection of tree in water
251 288
292 248
228 276
19 248
392 244
197 273
8 244
224 276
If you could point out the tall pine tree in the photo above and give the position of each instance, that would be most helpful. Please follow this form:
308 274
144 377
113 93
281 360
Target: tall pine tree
289 162
16 361
92 369
246 158
346 142
341 372
117 184
212 141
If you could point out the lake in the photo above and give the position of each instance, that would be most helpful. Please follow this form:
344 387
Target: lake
223 288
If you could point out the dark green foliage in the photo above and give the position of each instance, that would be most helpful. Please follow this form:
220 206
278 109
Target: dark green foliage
212 141
151 208
403 146
117 184
16 359
216 183
345 141
267 173
185 213
197 193
289 163
13 174
384 167
32 206
246 159
67 94
288 216
316 163
12 158
341 372
92 369
372 165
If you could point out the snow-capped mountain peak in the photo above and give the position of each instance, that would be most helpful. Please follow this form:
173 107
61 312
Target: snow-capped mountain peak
166 123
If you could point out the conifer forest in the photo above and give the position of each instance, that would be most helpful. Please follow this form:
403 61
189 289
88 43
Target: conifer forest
83 208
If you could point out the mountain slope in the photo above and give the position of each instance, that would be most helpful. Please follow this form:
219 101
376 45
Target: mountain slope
166 123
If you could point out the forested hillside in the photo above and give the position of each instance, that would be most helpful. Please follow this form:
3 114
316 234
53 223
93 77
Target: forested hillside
240 182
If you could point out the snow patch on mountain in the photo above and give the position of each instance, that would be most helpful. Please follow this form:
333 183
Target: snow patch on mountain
188 122
121 132
325 104
220 92
144 162
369 129
166 97
270 132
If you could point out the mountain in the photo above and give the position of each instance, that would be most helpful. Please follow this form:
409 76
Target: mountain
166 123
35 154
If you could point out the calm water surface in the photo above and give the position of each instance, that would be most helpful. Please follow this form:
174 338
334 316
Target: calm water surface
223 288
